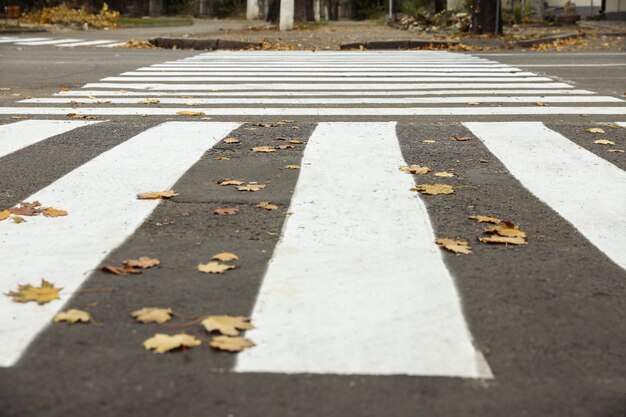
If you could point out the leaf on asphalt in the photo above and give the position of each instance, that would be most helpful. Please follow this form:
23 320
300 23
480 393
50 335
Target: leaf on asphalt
222 158
153 315
604 142
121 271
265 149
506 229
157 195
429 141
27 209
214 267
461 138
541 104
18 219
225 257
43 294
231 140
227 325
162 343
434 189
283 147
616 150
454 245
251 187
80 116
72 316
444 174
150 101
228 181
52 212
18 117
225 211
485 219
231 343
595 130
4 214
292 167
503 239
143 262
473 103
190 113
415 169
296 142
267 205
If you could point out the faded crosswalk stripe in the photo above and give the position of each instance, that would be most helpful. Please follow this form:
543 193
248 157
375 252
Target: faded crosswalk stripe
59 42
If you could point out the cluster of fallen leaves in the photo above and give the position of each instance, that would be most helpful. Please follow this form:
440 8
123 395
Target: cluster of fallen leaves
241 185
219 263
69 16
26 209
131 266
607 142
504 232
430 189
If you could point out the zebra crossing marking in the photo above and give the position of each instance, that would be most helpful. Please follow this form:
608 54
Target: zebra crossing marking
66 249
60 42
581 187
342 293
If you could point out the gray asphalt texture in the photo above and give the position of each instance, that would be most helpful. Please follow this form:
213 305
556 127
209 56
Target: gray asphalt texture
549 317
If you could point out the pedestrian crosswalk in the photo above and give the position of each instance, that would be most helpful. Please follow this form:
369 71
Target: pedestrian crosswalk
356 284
326 84
59 42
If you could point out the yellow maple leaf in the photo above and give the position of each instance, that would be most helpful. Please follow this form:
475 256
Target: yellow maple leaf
52 212
143 262
486 219
292 167
41 295
415 169
149 101
507 229
434 189
296 142
265 149
604 142
190 113
231 343
267 205
251 187
225 257
460 138
231 140
610 150
72 316
157 195
429 141
503 239
453 245
228 325
222 158
4 214
444 174
214 267
153 315
162 343
228 181
595 130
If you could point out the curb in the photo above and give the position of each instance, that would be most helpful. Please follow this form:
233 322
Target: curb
529 43
407 44
184 43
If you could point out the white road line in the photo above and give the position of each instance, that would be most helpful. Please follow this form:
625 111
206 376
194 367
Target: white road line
47 42
111 45
583 188
18 135
268 78
12 40
573 65
298 65
327 100
405 93
313 87
85 43
320 111
356 268
333 68
343 74
622 124
66 250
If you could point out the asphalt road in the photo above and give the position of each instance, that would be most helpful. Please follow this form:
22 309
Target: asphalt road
344 327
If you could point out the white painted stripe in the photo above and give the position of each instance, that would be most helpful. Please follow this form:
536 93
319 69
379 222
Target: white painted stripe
47 42
574 65
406 93
85 43
312 87
16 136
327 100
250 64
319 111
65 250
336 68
622 124
111 45
268 78
12 40
583 188
344 74
356 268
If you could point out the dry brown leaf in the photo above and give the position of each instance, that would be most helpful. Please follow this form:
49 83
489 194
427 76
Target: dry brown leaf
507 229
162 343
231 343
153 315
18 219
434 189
222 158
225 257
190 113
267 205
103 102
142 262
225 211
541 104
444 174
503 239
52 212
485 219
604 142
27 209
18 117
214 267
595 130
453 245
283 147
231 140
150 101
80 116
41 295
4 214
157 195
72 316
616 150
461 138
296 142
265 149
292 167
251 187
415 169
121 271
473 103
228 181
227 325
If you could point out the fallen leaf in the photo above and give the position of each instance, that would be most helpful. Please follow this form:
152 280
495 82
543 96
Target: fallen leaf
222 158
507 229
18 219
150 101
595 130
228 181
251 187
604 142
190 113
4 214
214 267
415 169
227 325
615 126
283 147
292 167
72 316
225 211
429 141
142 262
157 195
485 219
52 212
484 161
444 174
27 209
503 239
267 205
103 102
153 315
41 295
230 343
80 116
225 257
265 149
18 117
616 150
434 189
162 343
453 245
541 104
231 140
296 142
460 138
473 103
64 89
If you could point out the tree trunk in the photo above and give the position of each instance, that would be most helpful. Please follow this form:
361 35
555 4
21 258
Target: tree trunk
310 11
273 12
486 17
